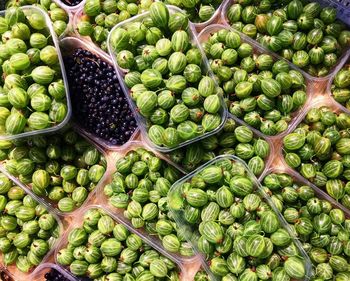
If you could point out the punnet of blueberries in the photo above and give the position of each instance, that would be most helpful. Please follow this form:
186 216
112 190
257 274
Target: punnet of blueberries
99 104
54 275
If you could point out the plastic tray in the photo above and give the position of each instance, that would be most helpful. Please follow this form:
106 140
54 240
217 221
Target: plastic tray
343 15
319 193
68 45
257 135
70 19
76 18
310 87
12 270
118 212
53 205
70 9
179 213
64 78
141 121
187 273
330 82
317 102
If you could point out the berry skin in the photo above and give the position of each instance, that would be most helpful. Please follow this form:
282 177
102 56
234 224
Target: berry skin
71 2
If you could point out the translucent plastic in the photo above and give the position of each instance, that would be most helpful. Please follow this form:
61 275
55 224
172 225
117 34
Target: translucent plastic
70 21
186 274
302 181
64 78
12 270
53 205
257 135
104 200
68 45
215 17
179 214
139 118
330 81
343 15
311 86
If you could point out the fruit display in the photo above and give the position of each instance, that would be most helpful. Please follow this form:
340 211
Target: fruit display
168 83
319 148
105 249
262 91
197 12
140 187
234 139
32 91
320 226
28 230
98 17
234 225
174 140
340 88
63 167
99 105
306 34
58 15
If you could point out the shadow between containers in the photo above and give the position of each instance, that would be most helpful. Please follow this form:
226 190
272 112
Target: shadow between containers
180 221
322 101
141 121
68 45
64 78
118 212
309 87
185 274
342 15
52 206
12 270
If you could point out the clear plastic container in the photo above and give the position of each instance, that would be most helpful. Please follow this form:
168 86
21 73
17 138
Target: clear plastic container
179 213
70 9
310 88
216 16
49 28
68 45
87 39
54 205
118 212
187 271
12 270
142 122
330 81
319 193
317 102
70 21
343 14
257 135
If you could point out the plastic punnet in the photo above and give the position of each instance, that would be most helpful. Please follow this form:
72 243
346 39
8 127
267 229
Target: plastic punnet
186 271
12 270
49 28
257 135
119 212
54 205
331 79
342 14
68 45
47 267
141 121
310 88
319 101
176 198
